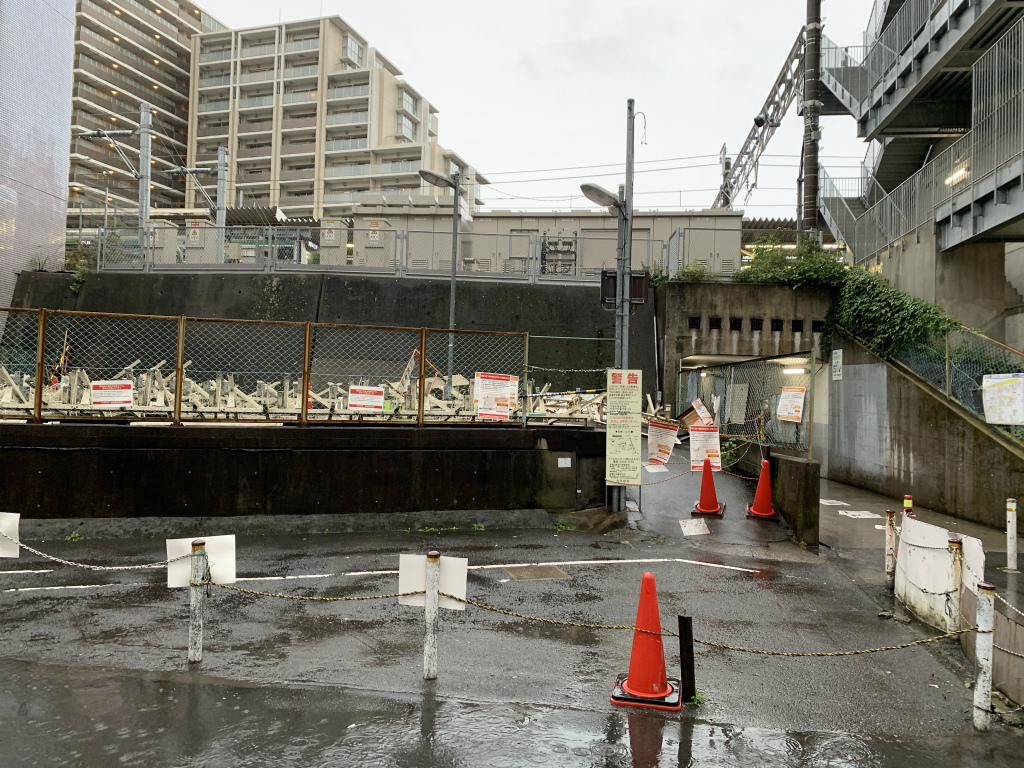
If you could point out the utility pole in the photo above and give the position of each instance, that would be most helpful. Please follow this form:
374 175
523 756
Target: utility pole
627 240
222 198
145 169
812 110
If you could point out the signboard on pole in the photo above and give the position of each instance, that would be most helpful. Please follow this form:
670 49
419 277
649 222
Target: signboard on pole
1003 398
329 226
622 438
220 553
837 365
9 526
112 394
791 404
374 235
370 399
661 439
494 395
412 577
705 443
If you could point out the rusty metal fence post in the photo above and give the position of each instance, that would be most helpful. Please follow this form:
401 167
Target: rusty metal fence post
37 408
179 371
526 382
307 353
423 378
949 369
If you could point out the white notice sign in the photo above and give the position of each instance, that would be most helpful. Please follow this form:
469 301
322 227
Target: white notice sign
412 577
220 554
622 438
369 399
791 404
1003 397
702 411
494 395
736 403
661 439
112 394
9 527
705 444
837 365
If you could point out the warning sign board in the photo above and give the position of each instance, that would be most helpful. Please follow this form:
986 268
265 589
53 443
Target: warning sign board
112 394
369 399
791 404
705 443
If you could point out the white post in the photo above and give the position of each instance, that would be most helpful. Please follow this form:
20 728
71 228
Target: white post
1011 535
890 549
430 637
196 600
222 200
983 642
956 550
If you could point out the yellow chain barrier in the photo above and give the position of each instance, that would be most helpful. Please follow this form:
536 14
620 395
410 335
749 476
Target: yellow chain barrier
301 597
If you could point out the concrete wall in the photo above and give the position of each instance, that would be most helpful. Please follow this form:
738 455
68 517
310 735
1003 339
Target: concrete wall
894 436
796 489
677 302
542 310
89 470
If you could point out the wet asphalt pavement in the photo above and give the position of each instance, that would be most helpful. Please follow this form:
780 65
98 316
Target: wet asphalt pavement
97 676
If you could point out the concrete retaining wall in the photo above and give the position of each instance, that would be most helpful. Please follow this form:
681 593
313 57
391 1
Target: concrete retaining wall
542 310
92 470
893 435
796 489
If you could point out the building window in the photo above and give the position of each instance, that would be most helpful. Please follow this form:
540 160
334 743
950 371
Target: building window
354 50
408 102
406 127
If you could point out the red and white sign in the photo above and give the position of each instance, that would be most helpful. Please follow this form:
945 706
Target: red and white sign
791 404
705 444
366 399
112 394
661 439
702 411
494 395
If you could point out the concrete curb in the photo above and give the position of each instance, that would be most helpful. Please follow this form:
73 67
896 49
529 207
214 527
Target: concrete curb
262 525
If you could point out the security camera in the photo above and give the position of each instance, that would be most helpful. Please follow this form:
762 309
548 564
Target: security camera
760 121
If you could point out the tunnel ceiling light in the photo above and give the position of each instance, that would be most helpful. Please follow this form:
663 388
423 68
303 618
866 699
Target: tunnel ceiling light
793 371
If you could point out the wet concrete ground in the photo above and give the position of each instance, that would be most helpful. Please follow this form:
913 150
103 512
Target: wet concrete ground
97 676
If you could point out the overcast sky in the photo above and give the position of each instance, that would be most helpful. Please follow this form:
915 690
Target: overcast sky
527 87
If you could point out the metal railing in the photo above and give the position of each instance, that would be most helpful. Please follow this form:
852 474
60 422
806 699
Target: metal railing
59 365
524 257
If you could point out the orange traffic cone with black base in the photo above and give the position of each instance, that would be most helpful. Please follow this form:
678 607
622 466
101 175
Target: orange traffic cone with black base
646 684
708 505
762 508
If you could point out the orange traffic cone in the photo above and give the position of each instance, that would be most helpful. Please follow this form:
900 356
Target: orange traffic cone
762 508
646 685
708 504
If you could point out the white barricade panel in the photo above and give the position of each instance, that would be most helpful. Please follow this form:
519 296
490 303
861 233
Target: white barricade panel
412 577
974 561
220 553
924 572
9 526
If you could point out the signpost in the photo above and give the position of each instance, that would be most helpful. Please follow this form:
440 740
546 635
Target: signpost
623 436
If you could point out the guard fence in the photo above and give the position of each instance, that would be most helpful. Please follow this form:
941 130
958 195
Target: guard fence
745 397
80 365
526 257
957 362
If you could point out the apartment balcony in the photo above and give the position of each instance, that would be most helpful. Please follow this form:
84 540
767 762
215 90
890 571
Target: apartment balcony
211 56
253 178
254 51
402 166
300 174
397 196
343 198
348 92
253 102
205 131
214 106
122 29
215 81
302 73
136 91
343 145
299 97
348 118
255 126
294 201
244 152
257 77
306 148
104 44
345 171
311 44
298 122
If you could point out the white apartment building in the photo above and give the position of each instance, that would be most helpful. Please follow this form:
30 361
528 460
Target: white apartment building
128 52
315 122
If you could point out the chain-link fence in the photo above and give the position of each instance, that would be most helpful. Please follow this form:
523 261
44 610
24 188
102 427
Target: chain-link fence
958 362
565 364
128 367
766 400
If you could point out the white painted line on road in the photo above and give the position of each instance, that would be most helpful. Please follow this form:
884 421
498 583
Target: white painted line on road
73 586
287 578
50 570
575 562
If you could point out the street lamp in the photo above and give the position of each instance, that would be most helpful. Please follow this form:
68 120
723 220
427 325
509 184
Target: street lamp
452 182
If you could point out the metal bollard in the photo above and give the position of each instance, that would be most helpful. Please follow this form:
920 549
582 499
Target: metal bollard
687 674
890 549
430 611
197 600
983 643
956 549
1011 535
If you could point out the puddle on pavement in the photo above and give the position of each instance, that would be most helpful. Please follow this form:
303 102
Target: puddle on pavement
71 717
